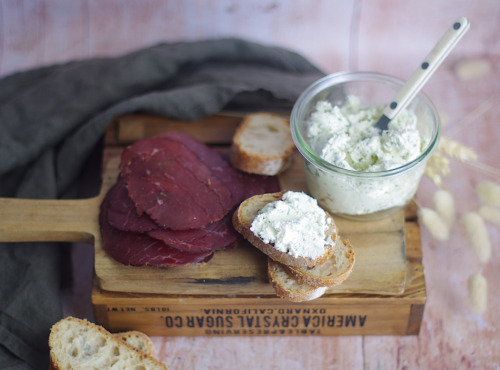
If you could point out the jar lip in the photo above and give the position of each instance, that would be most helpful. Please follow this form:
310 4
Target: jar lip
341 77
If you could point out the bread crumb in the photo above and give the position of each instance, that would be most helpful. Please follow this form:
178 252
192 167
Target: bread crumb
434 223
489 193
477 235
478 292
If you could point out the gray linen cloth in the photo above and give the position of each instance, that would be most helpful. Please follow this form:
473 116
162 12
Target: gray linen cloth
51 119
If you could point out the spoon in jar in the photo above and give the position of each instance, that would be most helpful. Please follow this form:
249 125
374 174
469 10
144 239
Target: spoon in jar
420 76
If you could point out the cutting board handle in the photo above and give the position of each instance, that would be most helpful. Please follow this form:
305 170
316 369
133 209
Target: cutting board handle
29 220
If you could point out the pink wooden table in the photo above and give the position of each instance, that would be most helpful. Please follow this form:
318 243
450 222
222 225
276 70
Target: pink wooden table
385 36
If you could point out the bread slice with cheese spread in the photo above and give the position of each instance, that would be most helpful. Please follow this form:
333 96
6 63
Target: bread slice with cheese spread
297 278
330 273
262 144
299 285
287 287
79 344
246 213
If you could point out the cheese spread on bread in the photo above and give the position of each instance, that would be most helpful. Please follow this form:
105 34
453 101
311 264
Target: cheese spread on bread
295 225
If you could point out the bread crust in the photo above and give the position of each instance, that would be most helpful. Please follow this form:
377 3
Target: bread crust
299 292
259 162
269 165
242 221
137 340
310 277
98 331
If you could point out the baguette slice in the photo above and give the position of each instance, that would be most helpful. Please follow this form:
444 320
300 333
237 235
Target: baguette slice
242 221
262 145
137 340
330 273
79 344
287 287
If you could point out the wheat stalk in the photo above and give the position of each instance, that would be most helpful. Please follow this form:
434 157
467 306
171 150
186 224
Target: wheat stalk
489 193
444 204
478 292
440 220
467 120
457 150
490 213
437 167
477 235
484 169
433 222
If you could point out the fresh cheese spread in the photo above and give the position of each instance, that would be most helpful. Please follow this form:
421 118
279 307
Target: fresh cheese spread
295 225
346 137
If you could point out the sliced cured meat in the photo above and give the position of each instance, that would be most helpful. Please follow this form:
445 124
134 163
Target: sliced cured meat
176 198
123 216
172 185
260 184
138 249
218 235
173 202
255 184
219 165
122 213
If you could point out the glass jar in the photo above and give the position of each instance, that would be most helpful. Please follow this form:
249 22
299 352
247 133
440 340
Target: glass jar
358 194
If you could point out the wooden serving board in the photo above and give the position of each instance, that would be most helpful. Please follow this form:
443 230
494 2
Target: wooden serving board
231 295
379 246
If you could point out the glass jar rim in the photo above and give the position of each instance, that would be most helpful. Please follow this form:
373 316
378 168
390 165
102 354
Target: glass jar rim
337 79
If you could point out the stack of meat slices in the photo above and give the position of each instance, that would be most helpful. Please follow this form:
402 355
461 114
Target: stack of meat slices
173 202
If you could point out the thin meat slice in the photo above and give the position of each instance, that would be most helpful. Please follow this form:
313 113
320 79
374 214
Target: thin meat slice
219 165
260 184
171 185
123 216
122 213
255 184
138 249
216 236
